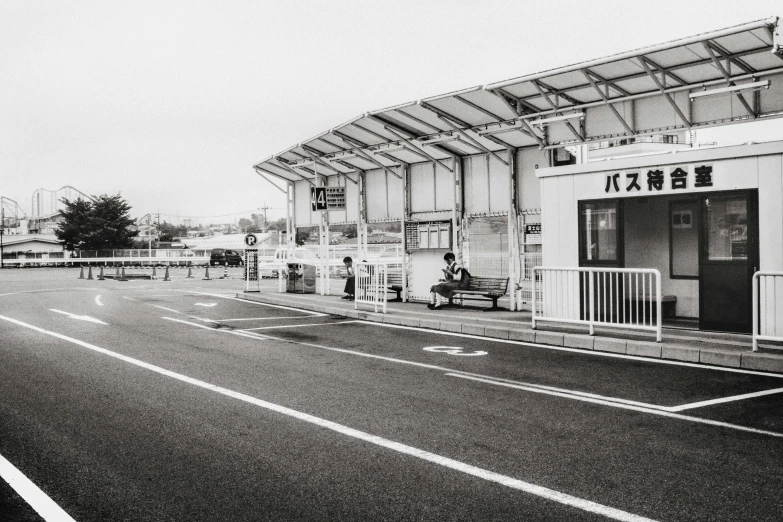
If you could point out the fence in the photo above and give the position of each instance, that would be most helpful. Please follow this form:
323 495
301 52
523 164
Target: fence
255 266
370 285
617 297
767 307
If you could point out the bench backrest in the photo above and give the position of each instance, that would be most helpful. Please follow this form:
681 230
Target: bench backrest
494 285
394 277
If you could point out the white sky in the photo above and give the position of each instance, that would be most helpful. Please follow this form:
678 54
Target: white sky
170 103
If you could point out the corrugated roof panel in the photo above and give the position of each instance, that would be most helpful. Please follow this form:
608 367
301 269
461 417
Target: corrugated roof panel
763 61
638 85
679 56
619 69
565 80
492 103
462 111
521 90
587 95
700 73
421 129
417 112
743 41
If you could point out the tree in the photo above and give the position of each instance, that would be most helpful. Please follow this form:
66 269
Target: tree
167 232
102 223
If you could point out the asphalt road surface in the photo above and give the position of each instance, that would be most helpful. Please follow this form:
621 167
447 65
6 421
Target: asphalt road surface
153 400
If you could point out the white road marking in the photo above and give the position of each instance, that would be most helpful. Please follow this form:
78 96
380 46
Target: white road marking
252 302
79 317
208 305
653 411
733 398
98 300
452 350
32 494
558 392
580 351
294 326
520 485
129 298
169 309
267 318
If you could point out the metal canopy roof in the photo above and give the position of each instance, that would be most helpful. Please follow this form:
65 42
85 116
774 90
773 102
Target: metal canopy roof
726 76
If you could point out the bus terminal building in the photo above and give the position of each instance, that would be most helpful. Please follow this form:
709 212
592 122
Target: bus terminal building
590 172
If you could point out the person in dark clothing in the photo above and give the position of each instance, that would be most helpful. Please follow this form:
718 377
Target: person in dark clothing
350 283
453 280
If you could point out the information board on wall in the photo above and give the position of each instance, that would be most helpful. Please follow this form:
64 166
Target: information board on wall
533 234
327 198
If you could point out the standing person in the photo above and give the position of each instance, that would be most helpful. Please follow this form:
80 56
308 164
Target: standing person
350 283
454 276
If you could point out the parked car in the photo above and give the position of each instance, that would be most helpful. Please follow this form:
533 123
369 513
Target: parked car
223 256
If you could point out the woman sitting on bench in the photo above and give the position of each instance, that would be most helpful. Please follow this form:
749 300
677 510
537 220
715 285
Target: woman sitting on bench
454 276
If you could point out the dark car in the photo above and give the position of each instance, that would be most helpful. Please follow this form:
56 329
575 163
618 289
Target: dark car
223 256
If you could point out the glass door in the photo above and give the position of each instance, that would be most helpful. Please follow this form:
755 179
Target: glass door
727 261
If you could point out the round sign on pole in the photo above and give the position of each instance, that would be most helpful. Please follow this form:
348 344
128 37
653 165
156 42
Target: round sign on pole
251 240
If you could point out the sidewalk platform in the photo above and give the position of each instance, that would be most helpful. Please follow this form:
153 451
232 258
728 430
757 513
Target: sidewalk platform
679 344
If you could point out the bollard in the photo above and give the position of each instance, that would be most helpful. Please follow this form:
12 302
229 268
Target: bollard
81 272
166 276
122 277
100 276
154 273
89 273
225 271
117 275
190 274
206 275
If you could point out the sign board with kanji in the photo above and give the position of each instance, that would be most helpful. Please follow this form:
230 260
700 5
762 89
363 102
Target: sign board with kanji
327 198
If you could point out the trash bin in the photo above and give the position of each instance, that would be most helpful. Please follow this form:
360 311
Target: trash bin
301 279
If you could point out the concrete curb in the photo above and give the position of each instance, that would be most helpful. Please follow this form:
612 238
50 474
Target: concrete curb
739 357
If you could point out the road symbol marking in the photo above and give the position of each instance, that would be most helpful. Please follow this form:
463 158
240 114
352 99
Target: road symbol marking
453 350
208 305
79 317
98 300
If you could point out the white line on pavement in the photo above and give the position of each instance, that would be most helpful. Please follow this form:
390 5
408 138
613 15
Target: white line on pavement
309 312
32 494
733 398
642 409
169 309
548 390
294 326
78 317
267 318
98 300
129 298
527 487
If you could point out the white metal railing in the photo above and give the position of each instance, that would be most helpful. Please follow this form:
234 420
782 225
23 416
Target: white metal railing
370 285
617 297
95 261
767 307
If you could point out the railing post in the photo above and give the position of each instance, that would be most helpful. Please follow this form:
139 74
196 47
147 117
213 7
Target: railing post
755 316
591 300
659 304
535 269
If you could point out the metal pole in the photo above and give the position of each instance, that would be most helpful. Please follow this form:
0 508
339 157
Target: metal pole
755 316
2 230
406 170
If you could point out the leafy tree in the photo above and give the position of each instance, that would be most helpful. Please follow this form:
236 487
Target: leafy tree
102 223
167 232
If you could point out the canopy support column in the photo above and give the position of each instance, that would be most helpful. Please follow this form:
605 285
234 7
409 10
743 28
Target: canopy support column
406 205
290 221
456 211
513 231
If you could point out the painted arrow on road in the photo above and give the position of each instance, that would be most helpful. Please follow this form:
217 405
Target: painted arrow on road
79 317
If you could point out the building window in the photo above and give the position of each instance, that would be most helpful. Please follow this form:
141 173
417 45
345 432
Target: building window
599 233
684 239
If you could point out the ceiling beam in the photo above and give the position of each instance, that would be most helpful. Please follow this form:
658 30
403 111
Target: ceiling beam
662 89
601 93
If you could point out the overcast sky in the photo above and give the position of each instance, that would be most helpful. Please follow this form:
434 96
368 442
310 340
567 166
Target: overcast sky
170 103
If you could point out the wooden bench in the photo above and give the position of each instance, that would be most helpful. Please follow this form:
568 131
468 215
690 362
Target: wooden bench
484 288
668 304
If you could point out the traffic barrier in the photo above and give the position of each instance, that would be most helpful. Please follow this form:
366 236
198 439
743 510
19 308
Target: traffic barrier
117 275
166 276
190 274
206 274
154 273
225 271
89 273
81 272
122 276
100 276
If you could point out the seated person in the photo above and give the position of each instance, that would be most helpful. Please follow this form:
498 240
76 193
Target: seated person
453 275
350 283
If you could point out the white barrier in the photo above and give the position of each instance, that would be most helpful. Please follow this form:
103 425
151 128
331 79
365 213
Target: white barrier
767 307
627 298
370 284
95 261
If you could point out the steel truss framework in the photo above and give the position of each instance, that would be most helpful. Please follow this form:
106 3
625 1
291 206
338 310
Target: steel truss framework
654 90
